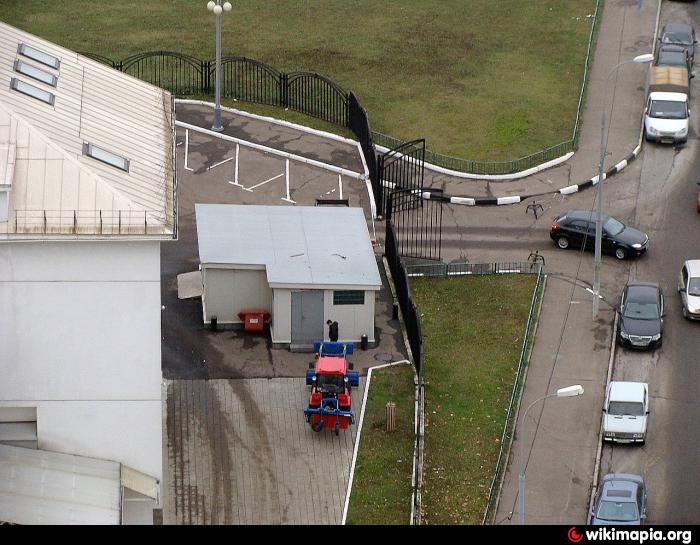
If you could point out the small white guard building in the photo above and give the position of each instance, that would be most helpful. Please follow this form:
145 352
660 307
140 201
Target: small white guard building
302 264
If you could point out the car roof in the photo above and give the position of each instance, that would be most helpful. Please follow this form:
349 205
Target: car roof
642 291
582 215
678 27
693 267
621 487
627 391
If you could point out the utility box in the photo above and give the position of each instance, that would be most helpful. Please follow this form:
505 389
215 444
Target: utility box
253 320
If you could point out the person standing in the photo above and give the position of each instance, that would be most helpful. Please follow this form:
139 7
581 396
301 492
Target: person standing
332 330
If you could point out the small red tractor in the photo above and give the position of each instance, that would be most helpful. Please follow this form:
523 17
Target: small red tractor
331 379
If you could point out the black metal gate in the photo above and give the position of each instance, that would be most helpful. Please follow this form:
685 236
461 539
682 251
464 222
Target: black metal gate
417 222
400 168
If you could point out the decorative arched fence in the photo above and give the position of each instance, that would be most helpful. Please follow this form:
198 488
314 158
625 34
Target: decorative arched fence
242 78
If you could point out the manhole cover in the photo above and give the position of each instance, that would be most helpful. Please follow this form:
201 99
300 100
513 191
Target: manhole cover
384 356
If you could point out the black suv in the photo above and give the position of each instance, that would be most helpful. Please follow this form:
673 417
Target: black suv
577 228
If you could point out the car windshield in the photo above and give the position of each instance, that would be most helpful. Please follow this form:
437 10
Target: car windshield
613 227
671 58
667 109
626 408
694 287
641 310
330 384
617 511
677 37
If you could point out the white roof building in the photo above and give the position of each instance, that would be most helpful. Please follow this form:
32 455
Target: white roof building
300 246
87 194
302 265
84 149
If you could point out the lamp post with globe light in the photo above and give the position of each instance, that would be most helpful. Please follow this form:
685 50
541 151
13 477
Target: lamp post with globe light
217 8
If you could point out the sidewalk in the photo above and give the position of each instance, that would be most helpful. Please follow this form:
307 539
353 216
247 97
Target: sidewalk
561 435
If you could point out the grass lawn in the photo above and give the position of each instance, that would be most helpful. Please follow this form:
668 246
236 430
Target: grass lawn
477 79
473 331
381 491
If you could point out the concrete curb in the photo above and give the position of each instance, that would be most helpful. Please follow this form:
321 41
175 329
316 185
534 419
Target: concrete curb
596 470
359 430
515 199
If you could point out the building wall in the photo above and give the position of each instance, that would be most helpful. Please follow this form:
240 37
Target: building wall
353 320
80 340
281 328
228 291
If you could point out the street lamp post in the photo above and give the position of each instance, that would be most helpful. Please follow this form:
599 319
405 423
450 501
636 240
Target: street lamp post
217 8
569 391
599 195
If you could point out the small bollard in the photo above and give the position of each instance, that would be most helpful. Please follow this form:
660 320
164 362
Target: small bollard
390 416
214 321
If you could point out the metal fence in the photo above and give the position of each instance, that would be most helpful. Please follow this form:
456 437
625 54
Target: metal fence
444 270
403 294
242 78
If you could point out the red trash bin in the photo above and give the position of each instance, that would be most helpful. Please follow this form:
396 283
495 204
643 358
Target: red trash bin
253 319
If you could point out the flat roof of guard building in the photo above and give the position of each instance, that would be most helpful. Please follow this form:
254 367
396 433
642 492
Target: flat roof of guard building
84 148
299 246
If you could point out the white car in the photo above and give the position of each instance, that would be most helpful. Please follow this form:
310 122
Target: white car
625 412
689 289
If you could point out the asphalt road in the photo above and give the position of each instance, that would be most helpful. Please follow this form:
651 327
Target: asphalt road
665 209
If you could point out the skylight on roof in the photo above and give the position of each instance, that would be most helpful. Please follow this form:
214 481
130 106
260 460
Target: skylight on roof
39 56
34 92
106 156
36 73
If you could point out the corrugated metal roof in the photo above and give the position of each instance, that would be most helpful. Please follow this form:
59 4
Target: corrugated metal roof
42 487
93 104
298 245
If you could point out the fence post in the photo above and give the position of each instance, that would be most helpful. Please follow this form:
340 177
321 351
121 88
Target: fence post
284 90
206 89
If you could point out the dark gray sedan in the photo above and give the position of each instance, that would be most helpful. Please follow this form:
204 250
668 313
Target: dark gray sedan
681 34
641 316
621 500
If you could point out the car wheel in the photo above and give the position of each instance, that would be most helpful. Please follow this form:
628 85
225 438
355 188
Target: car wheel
620 253
563 242
685 313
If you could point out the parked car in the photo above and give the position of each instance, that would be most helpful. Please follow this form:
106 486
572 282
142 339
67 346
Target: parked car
577 229
681 34
689 289
641 316
674 55
625 412
621 500
666 115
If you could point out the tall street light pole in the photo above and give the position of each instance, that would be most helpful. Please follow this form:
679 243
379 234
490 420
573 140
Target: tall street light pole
217 8
599 195
569 391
